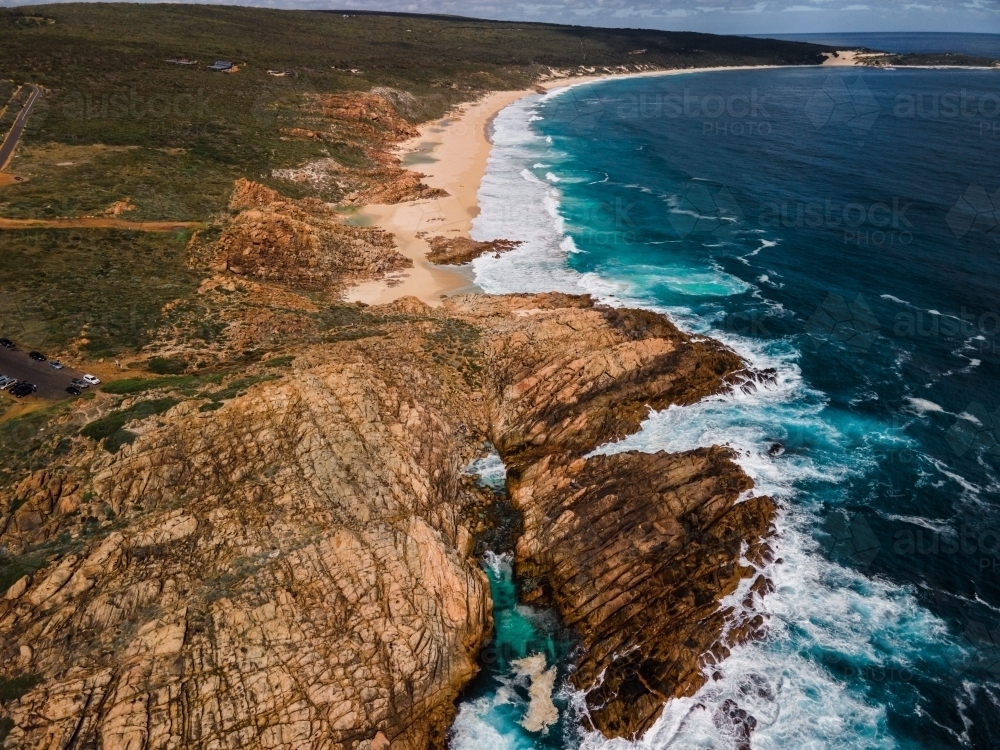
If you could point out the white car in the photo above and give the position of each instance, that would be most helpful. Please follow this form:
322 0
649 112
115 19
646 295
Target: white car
92 379
6 382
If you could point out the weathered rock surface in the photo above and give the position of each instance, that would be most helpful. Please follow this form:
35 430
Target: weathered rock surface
458 250
636 550
300 243
289 571
294 569
371 122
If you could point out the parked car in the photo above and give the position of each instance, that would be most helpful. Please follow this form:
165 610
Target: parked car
92 379
37 356
55 364
72 390
6 382
79 383
23 389
6 343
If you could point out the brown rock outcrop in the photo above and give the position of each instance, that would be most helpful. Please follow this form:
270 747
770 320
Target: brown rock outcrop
635 550
288 571
458 250
372 123
395 186
300 243
40 497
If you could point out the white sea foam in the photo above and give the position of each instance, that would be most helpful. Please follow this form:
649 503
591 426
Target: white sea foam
490 469
923 406
897 300
819 607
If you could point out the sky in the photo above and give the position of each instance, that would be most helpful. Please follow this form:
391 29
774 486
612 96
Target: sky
715 16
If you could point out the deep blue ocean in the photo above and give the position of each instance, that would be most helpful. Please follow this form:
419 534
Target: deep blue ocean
843 227
983 45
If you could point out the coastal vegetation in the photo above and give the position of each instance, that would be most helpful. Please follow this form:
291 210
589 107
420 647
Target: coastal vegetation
120 131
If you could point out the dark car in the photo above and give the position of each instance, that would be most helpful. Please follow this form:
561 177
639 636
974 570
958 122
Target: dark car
6 343
72 390
79 383
23 389
37 356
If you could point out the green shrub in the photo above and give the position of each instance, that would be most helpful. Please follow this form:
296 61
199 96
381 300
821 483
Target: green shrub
6 724
105 427
167 365
138 385
15 687
114 442
12 569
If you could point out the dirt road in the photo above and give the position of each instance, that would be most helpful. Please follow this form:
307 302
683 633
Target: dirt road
96 222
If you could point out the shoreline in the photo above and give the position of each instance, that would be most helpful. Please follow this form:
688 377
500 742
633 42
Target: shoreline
452 153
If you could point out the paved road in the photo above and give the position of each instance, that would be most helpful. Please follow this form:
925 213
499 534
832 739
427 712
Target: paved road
7 149
51 383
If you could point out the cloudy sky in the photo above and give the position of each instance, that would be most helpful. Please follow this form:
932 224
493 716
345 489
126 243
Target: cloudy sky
719 16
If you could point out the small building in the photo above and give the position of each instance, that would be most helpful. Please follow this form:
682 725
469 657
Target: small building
222 66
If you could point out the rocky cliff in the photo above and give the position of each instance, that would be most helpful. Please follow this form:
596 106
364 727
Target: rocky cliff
635 550
289 570
286 561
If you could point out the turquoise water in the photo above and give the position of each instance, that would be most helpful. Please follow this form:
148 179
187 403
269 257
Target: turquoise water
841 227
493 710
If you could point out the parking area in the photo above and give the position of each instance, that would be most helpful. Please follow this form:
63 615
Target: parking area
51 382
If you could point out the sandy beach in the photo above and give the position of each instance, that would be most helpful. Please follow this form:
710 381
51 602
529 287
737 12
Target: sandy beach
452 153
844 59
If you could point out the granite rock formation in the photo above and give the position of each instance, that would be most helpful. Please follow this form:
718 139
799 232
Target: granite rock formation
635 550
291 567
371 123
458 250
288 571
302 243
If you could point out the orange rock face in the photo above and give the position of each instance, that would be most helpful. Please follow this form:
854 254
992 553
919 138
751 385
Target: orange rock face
300 243
294 568
458 250
635 550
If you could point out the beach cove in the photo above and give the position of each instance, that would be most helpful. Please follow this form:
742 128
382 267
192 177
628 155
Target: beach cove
453 153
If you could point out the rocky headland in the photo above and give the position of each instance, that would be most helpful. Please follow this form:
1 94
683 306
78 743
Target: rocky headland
291 564
278 547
